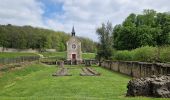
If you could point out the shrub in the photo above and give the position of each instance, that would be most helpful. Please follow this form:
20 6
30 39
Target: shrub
146 54
123 55
165 54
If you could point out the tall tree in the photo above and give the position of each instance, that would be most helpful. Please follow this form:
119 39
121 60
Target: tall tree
23 37
105 41
149 28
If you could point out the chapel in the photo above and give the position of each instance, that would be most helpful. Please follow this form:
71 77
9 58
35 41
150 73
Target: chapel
74 53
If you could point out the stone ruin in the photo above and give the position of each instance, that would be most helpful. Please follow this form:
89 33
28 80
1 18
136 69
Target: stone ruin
88 71
62 70
154 86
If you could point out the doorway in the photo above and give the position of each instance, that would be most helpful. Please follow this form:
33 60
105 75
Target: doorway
73 56
74 59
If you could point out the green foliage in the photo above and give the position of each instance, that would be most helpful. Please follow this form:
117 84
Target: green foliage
90 46
150 28
165 54
124 37
105 41
37 38
143 31
144 54
88 55
124 55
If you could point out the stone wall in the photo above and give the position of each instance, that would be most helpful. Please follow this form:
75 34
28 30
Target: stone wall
50 50
4 61
17 50
137 69
24 50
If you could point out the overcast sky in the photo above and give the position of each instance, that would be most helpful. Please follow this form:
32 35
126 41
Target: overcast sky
85 15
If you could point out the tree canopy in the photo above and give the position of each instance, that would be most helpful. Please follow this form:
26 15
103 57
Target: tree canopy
105 41
147 29
24 37
150 28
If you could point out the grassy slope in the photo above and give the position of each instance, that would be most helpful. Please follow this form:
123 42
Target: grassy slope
35 82
15 54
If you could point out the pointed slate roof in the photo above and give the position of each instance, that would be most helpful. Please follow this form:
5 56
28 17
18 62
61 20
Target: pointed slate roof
73 32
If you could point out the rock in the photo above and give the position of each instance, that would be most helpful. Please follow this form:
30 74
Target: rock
150 86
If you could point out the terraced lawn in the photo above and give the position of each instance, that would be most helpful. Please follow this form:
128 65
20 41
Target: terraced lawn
15 54
36 82
63 55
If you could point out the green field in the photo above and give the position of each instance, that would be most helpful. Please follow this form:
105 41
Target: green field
36 82
15 54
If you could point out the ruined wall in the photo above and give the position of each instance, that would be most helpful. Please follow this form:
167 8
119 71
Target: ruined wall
17 50
137 69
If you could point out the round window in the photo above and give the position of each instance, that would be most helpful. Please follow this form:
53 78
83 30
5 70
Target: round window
74 46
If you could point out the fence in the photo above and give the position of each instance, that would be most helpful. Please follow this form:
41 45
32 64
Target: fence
137 69
18 59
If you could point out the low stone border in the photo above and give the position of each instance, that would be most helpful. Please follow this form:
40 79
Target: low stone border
89 72
62 72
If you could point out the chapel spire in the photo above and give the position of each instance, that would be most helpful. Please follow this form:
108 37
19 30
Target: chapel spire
73 32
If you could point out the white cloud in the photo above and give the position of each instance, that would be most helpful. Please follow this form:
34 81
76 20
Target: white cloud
21 12
85 15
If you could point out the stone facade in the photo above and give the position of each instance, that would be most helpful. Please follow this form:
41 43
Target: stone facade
74 53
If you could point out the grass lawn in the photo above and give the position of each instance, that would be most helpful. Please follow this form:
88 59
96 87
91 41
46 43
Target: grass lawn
15 54
54 54
63 55
36 83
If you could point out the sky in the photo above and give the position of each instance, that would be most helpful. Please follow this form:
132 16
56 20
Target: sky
85 15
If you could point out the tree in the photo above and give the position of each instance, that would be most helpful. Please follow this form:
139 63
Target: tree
25 37
105 41
149 28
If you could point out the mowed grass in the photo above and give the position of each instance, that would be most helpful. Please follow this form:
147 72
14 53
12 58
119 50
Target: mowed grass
15 54
36 82
54 54
64 54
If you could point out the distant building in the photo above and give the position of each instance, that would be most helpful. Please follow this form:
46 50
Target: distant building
74 54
